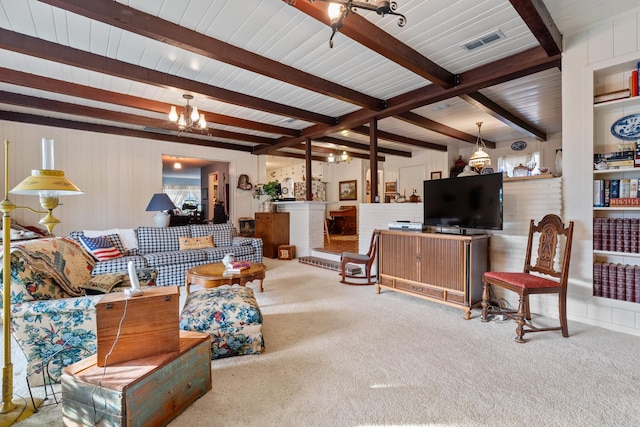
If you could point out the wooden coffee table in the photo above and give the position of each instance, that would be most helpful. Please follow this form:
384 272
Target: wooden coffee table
212 275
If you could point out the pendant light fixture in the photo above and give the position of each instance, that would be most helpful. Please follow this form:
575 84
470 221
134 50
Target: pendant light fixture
189 119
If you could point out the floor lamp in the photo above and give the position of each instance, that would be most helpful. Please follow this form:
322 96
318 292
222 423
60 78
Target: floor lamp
47 183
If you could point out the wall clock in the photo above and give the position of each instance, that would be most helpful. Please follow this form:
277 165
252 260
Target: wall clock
518 146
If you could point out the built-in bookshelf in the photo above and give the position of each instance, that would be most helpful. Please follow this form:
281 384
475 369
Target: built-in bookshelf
616 223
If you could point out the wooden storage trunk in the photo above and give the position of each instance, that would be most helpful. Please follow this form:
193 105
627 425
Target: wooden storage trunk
146 392
150 326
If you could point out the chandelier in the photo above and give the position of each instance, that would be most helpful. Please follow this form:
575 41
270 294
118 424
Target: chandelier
479 158
340 9
190 119
344 157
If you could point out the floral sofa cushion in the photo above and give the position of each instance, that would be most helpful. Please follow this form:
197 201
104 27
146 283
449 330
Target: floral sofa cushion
230 314
53 334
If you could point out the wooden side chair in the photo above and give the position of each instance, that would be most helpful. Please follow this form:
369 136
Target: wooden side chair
361 259
548 232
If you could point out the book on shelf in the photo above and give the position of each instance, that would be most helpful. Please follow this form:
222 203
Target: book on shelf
621 286
598 193
604 280
633 83
611 96
597 233
625 187
630 279
597 279
613 281
614 189
633 187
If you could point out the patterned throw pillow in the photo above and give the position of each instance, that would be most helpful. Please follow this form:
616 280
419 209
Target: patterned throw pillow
196 242
101 248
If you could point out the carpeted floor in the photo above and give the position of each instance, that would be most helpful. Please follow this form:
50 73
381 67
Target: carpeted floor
340 355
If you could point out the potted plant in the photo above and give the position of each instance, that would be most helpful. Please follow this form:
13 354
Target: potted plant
270 189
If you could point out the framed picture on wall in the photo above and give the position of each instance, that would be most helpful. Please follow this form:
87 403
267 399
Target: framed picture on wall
348 190
436 175
205 194
390 187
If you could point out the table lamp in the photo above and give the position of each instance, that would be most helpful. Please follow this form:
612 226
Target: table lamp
47 183
161 203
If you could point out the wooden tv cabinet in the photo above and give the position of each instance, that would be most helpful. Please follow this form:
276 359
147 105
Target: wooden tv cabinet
445 268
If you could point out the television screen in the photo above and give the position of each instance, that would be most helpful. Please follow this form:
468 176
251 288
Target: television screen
464 202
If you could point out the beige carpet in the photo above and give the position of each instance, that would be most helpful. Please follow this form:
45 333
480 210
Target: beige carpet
340 355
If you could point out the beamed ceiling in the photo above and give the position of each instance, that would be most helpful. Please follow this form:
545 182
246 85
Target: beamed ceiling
267 81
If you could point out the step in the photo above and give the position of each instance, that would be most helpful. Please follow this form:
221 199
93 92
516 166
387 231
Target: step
329 264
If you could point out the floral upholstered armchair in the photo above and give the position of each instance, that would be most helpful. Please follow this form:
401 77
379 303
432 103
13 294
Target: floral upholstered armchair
53 299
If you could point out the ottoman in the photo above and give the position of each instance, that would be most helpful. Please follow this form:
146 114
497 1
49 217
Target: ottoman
230 314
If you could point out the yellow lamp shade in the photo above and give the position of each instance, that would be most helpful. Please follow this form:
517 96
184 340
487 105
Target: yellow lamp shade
48 181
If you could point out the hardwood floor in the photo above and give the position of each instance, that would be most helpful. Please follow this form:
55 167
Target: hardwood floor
340 243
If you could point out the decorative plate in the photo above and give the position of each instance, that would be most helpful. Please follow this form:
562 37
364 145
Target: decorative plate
518 145
627 127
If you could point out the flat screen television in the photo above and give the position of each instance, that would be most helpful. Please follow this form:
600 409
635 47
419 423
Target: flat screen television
464 202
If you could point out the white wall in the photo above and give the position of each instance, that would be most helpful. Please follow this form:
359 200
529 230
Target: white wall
614 40
118 175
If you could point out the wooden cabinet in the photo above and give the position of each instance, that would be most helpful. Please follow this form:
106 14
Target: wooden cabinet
445 268
273 229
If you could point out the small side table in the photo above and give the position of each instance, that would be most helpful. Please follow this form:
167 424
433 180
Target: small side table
213 275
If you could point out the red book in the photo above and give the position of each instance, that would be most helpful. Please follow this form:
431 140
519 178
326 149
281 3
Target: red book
629 271
634 83
597 233
621 277
605 279
597 279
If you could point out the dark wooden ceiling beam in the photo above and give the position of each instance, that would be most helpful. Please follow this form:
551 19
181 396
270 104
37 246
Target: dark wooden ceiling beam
537 17
137 22
364 130
11 116
116 116
371 36
87 92
39 48
519 65
418 120
361 146
493 109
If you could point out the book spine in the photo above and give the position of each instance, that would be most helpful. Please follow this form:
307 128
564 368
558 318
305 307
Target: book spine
630 280
621 277
613 281
605 280
597 233
605 234
607 193
634 83
635 229
625 188
612 234
619 246
626 235
597 279
614 189
598 193
636 274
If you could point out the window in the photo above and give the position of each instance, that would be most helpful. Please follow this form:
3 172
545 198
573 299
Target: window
531 160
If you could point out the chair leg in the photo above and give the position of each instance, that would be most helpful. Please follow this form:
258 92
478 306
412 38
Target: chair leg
343 268
562 305
485 302
520 318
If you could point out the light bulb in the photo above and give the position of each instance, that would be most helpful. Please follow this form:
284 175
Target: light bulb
194 114
331 158
334 11
173 115
181 121
202 122
345 156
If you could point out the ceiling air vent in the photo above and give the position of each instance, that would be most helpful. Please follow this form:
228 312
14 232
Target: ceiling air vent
483 40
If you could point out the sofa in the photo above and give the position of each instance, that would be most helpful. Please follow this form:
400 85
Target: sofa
174 250
53 300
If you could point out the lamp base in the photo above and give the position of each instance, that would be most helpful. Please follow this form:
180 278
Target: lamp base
161 219
22 410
